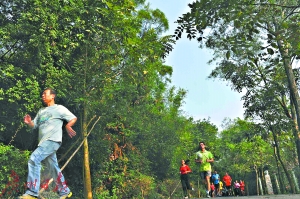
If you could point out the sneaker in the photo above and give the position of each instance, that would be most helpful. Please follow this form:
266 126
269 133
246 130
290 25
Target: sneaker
207 195
186 197
27 196
66 196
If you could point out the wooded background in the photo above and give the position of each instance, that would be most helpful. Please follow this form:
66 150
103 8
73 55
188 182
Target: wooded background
106 61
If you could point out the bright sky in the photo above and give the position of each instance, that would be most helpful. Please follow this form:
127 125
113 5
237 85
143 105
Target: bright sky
206 98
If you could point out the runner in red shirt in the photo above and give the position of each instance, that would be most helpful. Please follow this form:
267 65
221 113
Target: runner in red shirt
184 177
242 184
212 190
227 181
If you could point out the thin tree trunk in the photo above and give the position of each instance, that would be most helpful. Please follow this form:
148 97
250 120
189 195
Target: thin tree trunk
281 162
280 190
86 161
263 181
295 129
257 185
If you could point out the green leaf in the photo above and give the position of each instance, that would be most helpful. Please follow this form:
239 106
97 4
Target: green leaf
270 51
228 54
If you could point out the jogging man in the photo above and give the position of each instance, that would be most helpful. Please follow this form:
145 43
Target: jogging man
227 180
49 121
216 180
204 158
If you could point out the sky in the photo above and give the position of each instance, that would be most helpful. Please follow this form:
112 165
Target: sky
210 99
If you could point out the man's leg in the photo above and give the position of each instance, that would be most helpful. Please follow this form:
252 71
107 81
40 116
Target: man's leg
230 191
216 190
34 166
208 184
55 172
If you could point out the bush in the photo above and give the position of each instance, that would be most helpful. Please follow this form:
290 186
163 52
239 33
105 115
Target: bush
13 171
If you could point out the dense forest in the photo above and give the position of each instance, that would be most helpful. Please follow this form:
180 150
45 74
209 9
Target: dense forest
106 60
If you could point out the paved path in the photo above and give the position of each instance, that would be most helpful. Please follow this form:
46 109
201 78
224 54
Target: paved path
287 196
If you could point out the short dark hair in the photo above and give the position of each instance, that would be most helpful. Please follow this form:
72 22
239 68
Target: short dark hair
52 91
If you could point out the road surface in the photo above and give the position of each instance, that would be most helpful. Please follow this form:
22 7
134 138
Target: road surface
286 196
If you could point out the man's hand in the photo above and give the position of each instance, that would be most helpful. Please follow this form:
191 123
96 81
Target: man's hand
69 129
28 121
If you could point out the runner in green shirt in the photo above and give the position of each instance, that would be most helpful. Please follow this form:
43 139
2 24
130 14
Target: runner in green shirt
204 158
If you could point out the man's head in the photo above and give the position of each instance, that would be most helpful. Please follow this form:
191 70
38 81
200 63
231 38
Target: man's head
48 96
201 145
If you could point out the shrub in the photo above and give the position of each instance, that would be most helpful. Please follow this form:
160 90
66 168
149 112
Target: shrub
13 170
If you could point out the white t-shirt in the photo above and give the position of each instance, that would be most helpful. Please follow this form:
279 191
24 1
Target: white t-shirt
49 121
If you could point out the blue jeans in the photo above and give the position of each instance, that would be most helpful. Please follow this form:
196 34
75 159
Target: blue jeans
45 153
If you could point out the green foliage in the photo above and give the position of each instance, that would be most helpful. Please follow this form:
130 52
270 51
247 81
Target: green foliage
244 145
13 170
105 58
254 46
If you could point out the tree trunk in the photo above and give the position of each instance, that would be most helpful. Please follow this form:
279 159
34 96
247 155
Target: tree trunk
280 188
257 185
295 129
263 181
291 83
86 161
281 162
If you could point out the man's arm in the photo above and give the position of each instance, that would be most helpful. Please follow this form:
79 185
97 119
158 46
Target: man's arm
197 159
69 128
211 158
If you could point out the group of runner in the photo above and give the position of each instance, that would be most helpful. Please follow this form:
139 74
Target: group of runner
213 183
218 189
